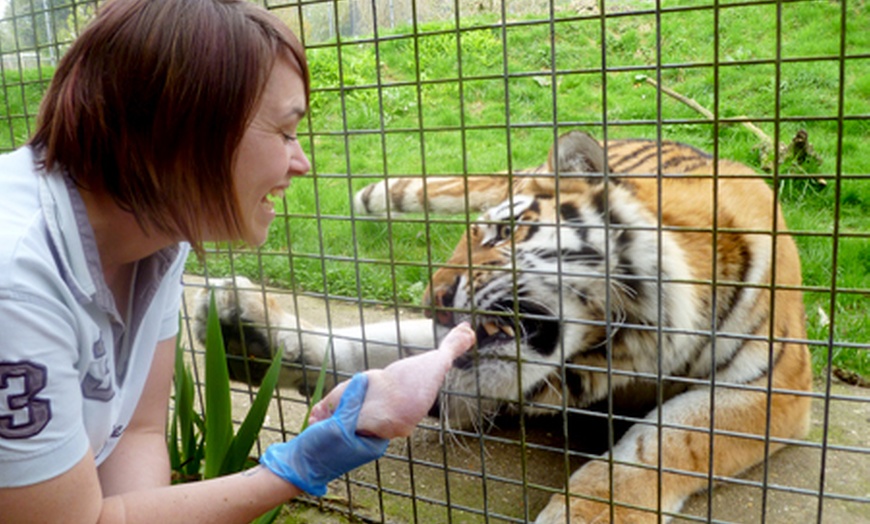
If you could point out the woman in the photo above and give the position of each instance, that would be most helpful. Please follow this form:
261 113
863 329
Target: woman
168 123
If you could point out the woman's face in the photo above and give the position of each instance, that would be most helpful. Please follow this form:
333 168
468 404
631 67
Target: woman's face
269 153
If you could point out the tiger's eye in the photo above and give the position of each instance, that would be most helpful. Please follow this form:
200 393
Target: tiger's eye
505 231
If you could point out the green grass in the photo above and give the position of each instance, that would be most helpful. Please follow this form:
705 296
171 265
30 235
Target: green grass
464 131
398 108
20 94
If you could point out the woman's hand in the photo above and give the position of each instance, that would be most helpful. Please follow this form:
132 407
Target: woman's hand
354 423
327 450
400 395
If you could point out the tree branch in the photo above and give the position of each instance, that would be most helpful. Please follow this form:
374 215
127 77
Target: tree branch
796 152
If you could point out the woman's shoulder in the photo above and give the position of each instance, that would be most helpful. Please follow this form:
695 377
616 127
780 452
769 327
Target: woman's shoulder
19 189
24 242
19 184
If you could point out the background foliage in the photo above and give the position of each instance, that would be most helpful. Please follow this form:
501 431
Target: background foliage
484 98
471 94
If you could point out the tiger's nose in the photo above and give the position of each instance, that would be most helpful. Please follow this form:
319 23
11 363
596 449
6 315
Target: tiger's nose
441 298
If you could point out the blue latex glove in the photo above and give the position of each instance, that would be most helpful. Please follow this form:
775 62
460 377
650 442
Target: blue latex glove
328 449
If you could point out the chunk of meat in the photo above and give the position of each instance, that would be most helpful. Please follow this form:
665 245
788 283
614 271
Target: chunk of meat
400 395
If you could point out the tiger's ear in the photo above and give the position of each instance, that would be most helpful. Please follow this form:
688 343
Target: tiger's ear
578 153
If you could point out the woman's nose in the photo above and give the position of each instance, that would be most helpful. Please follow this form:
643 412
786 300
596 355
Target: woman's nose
299 164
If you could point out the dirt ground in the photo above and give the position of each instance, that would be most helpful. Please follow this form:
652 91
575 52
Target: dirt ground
509 473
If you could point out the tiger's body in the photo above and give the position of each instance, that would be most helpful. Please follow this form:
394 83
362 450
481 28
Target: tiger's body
631 288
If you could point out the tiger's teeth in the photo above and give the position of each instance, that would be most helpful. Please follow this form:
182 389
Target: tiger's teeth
509 331
490 328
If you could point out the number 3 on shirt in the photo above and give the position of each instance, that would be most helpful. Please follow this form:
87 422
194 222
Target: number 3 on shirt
22 413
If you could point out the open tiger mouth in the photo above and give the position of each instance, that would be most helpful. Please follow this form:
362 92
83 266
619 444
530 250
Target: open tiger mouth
536 327
494 331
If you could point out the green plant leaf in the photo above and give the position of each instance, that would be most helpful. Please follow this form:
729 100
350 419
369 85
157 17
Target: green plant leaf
218 409
184 416
174 453
268 517
244 440
318 388
185 453
175 459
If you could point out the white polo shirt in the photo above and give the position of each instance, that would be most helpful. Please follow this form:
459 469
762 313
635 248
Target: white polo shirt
72 364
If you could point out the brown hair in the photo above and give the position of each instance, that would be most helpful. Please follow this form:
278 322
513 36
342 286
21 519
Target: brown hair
151 101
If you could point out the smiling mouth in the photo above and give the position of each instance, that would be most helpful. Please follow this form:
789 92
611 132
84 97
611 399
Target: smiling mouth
273 195
272 198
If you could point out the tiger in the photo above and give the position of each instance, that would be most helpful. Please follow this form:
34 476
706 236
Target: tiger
592 279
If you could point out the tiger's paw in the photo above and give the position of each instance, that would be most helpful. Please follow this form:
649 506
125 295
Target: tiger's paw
588 511
253 326
634 499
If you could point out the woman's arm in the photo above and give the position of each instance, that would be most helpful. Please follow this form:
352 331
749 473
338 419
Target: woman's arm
75 496
323 451
132 485
400 395
140 459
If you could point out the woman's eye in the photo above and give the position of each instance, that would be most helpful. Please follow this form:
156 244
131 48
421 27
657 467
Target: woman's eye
288 137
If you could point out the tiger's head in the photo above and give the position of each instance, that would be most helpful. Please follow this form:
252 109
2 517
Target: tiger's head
537 277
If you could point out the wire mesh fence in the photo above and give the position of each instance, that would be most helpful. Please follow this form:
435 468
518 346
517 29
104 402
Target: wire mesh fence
472 97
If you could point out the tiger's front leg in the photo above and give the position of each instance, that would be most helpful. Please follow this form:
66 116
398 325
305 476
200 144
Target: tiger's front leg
685 455
370 346
254 326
